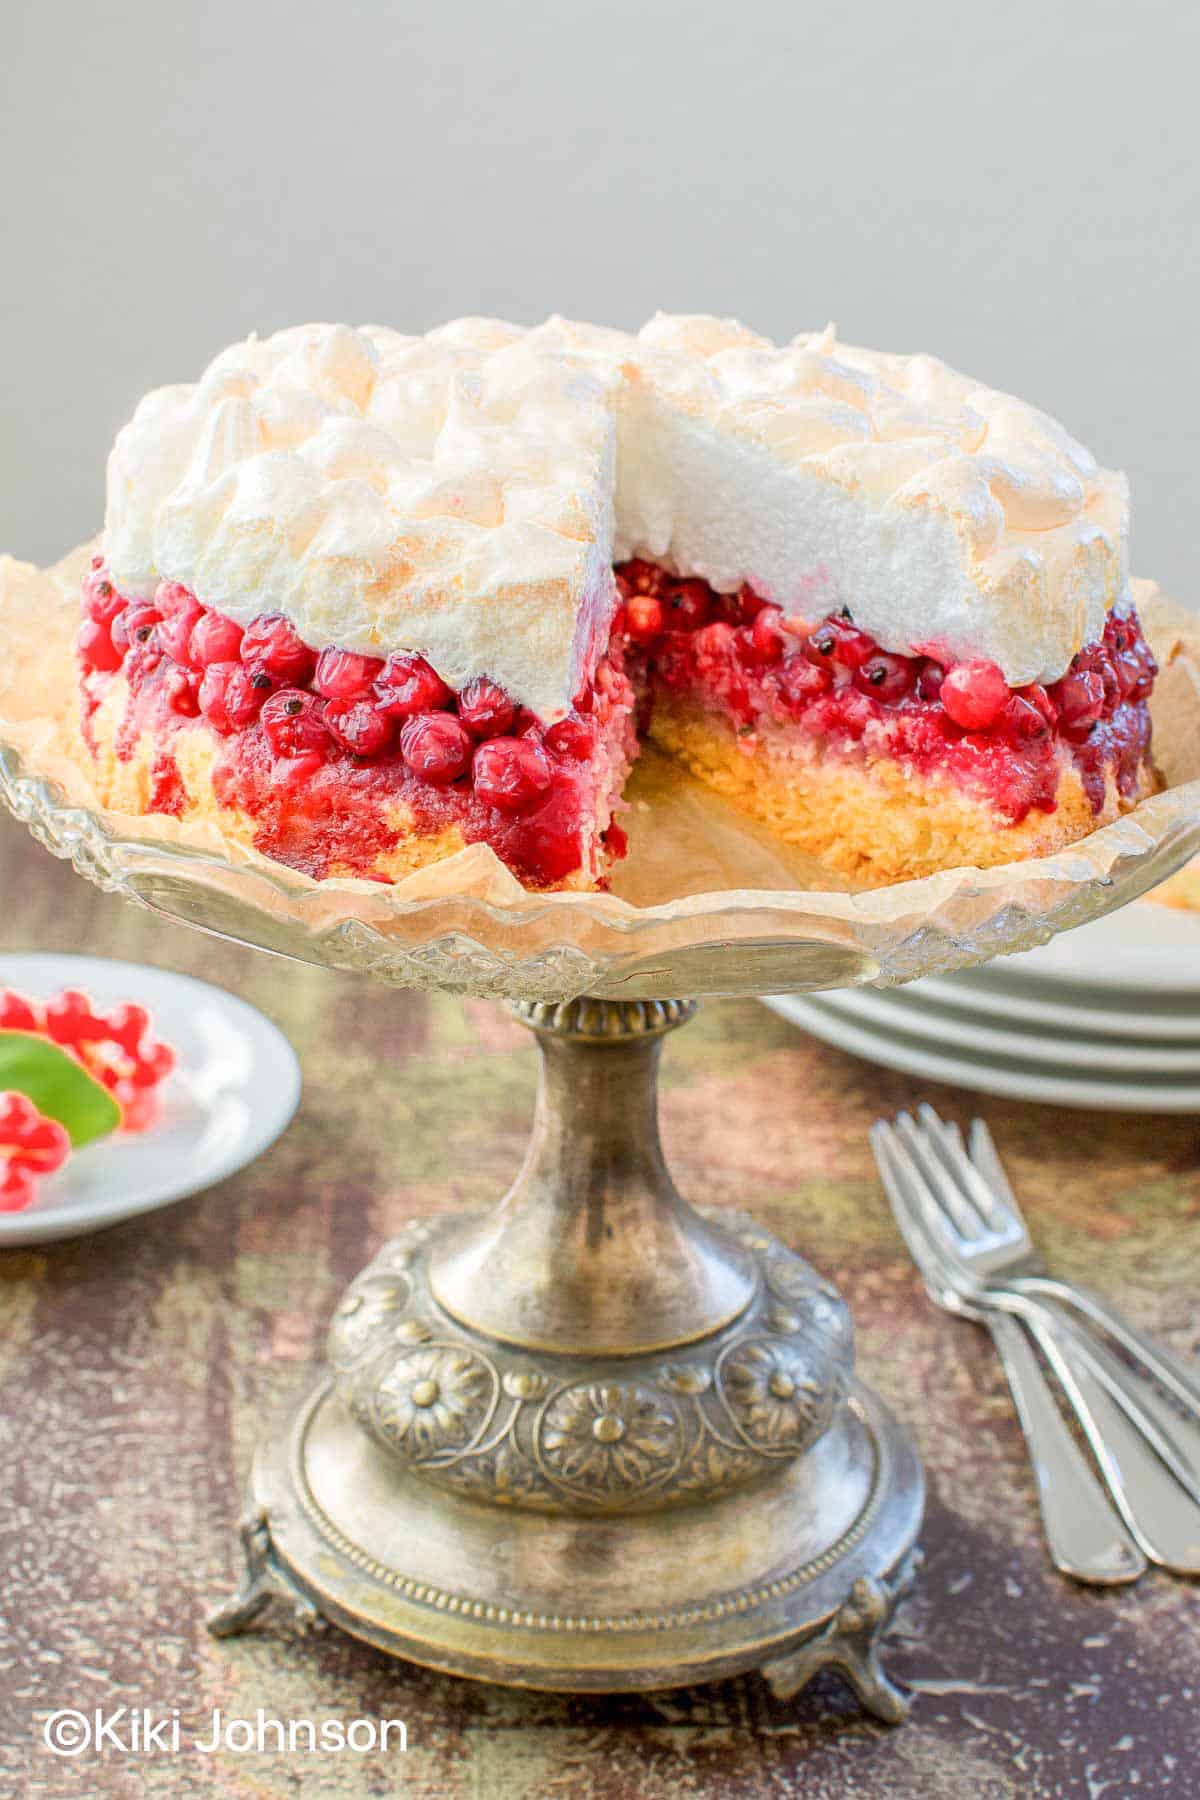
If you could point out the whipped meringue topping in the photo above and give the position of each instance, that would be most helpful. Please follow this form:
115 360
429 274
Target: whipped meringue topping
465 494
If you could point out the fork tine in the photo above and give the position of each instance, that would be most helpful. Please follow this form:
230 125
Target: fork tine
896 1177
965 1219
986 1159
951 1132
937 1235
960 1168
881 1136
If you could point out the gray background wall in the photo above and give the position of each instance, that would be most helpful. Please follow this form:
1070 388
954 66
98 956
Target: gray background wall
1012 186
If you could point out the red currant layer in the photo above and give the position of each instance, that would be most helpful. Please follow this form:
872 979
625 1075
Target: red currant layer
337 756
740 656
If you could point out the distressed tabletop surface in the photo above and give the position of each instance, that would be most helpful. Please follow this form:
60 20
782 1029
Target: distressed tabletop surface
140 1365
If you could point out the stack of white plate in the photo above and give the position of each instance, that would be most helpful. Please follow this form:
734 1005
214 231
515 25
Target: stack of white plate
1105 1016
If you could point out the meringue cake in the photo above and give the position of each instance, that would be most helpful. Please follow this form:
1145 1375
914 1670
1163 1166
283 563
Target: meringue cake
366 598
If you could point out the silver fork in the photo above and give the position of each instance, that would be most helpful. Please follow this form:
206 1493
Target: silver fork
972 1230
1084 1532
1031 1278
999 1238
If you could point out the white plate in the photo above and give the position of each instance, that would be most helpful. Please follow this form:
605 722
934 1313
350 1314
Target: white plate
1140 949
917 1012
1062 1007
233 1090
894 1049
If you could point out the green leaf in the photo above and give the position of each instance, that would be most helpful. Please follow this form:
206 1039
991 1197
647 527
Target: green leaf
58 1086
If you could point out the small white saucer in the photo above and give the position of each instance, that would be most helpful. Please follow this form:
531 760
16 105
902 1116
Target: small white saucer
234 1089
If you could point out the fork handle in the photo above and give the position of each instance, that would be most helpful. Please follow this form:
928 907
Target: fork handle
1174 1436
1180 1378
1160 1513
1083 1529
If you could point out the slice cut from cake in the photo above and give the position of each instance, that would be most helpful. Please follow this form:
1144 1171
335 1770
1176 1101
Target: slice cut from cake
368 598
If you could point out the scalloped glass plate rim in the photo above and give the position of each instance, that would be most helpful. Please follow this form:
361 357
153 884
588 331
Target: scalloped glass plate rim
1127 837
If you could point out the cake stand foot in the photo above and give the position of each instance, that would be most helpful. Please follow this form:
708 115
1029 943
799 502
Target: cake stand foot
850 1645
264 1578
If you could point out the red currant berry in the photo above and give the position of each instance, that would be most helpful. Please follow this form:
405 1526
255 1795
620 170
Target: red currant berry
930 676
180 687
42 1146
175 632
1094 660
485 709
550 843
839 642
1147 671
293 773
143 658
1135 669
1021 721
272 641
215 639
127 1025
887 677
644 577
689 606
1080 697
1037 696
761 643
171 597
96 648
70 1019
511 774
101 601
799 681
643 618
294 723
18 1189
360 727
133 626
16 1013
748 604
152 1064
408 686
571 737
974 694
138 1110
344 675
228 697
436 747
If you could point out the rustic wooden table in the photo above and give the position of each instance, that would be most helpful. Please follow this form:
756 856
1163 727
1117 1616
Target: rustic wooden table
140 1365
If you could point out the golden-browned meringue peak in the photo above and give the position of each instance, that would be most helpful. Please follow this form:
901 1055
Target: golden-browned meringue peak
465 493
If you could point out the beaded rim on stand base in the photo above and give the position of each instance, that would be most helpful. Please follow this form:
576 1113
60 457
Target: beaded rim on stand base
813 1607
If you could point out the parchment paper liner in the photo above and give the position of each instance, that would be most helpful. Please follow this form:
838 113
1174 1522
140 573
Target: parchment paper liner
706 902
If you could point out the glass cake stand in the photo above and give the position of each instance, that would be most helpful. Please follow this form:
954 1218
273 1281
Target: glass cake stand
597 1439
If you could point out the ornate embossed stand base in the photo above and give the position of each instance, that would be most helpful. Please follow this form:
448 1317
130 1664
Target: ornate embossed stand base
595 1440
